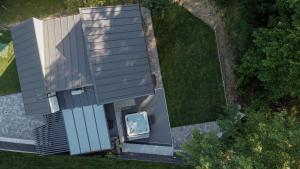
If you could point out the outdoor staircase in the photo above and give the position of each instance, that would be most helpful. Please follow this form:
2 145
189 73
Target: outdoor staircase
51 138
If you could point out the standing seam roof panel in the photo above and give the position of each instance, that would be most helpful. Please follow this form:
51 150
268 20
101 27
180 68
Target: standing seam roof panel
29 68
117 50
85 122
66 63
115 36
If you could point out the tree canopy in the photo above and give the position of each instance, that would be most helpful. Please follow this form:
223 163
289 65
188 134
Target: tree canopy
268 69
262 141
274 59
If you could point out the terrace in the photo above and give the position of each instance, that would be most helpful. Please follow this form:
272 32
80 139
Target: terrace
159 136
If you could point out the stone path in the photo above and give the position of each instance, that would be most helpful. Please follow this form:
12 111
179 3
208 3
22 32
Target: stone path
183 133
207 11
13 121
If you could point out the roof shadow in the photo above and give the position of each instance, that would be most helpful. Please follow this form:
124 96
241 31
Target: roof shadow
66 60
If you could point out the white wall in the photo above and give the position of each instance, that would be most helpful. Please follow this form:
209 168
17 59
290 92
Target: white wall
39 33
148 149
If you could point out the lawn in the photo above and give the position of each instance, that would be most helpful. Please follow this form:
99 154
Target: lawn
24 161
190 67
19 10
9 81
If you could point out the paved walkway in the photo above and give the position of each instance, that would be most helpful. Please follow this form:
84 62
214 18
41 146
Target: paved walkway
207 11
13 121
183 133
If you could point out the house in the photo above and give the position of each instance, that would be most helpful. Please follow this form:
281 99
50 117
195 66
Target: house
95 79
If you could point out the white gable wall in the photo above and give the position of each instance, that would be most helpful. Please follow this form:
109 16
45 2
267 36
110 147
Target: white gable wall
39 32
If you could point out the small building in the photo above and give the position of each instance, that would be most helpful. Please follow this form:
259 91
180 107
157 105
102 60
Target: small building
91 77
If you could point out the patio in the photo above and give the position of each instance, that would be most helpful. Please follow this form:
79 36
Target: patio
157 113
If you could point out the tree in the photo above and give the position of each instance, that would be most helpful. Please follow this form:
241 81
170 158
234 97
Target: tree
274 59
263 140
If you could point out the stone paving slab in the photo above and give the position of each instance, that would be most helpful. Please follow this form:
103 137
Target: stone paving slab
13 121
183 133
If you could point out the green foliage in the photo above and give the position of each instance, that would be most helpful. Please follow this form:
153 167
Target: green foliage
238 27
242 16
203 150
20 10
73 5
263 140
270 66
274 59
5 37
158 7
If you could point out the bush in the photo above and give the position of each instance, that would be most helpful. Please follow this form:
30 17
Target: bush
158 7
73 5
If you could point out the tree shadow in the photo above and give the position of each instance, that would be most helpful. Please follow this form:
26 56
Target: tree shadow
9 80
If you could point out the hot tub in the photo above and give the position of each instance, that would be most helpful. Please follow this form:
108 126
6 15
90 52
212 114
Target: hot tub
137 126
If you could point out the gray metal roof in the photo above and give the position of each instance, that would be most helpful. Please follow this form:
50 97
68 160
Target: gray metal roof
29 67
104 47
50 56
85 122
65 59
117 52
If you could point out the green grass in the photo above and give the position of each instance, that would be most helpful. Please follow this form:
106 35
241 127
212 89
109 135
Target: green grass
190 67
25 161
19 10
5 37
9 81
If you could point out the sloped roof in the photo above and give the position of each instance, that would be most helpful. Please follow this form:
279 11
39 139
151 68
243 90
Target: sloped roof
29 67
65 58
117 52
102 47
50 57
85 122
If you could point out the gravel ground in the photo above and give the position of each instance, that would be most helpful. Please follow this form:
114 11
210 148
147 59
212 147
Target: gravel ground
13 121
